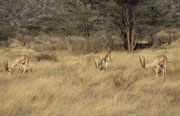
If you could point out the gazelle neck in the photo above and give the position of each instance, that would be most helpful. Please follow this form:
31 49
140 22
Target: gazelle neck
149 65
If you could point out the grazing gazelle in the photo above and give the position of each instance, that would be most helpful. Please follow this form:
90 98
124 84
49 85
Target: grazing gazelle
103 58
20 60
159 63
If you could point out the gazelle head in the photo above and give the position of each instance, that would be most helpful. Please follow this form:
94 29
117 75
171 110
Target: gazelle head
98 63
142 62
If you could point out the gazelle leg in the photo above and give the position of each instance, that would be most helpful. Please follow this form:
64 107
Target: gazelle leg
165 67
163 71
109 59
157 75
24 66
27 67
100 67
157 70
107 65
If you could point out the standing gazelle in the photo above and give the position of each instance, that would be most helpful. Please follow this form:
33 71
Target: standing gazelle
159 63
20 60
103 58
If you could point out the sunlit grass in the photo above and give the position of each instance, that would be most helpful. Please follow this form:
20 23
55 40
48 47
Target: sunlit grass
72 86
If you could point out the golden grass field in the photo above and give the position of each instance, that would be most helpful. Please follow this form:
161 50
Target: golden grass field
73 87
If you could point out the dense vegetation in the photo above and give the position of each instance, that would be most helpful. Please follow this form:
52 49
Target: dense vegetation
129 20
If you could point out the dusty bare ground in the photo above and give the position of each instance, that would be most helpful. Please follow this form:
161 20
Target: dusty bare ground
72 86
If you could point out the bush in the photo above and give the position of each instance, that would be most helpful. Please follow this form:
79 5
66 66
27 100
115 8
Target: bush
45 56
100 42
49 43
25 40
77 45
6 32
96 43
4 44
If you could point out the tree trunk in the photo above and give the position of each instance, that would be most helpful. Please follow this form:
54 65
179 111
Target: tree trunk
128 40
133 32
124 37
133 41
127 24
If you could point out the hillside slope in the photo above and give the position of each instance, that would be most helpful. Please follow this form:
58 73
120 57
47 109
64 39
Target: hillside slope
19 12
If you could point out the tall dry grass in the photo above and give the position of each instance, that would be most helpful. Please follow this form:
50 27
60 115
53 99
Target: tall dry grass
71 86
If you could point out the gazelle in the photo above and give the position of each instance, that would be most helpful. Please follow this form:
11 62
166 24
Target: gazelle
103 58
20 60
164 43
143 45
159 63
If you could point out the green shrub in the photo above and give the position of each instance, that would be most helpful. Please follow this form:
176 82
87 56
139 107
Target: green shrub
49 43
77 45
48 57
5 32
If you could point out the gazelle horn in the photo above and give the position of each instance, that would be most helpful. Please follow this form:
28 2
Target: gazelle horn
96 63
142 62
6 65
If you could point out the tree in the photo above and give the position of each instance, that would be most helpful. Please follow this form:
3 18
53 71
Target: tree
152 18
131 17
123 14
81 16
